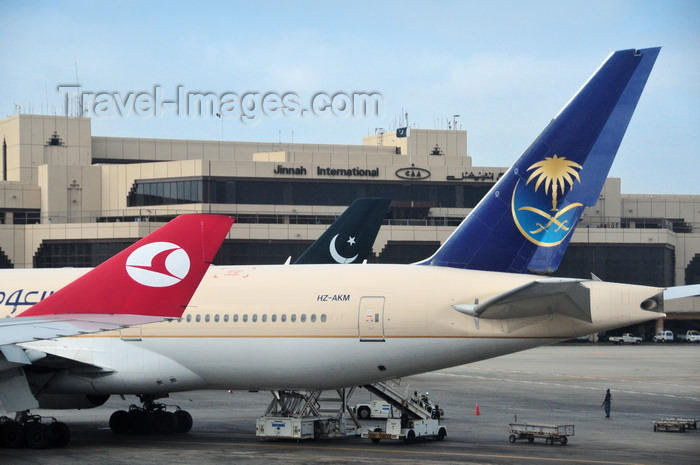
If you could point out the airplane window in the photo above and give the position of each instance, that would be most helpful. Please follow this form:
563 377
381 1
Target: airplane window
216 318
198 318
264 318
245 318
303 317
293 318
284 318
255 318
313 318
323 318
189 318
235 318
273 317
226 318
206 318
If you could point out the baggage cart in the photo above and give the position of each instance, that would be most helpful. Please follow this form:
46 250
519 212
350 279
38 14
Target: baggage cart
675 424
550 433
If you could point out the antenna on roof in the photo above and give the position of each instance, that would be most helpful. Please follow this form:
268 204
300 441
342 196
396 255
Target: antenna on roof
78 105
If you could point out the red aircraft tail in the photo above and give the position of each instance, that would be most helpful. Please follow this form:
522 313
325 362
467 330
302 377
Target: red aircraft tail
156 276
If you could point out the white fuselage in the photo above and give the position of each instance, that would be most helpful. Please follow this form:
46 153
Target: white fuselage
315 327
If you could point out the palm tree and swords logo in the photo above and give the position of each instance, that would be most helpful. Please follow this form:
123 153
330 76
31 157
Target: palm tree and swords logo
531 210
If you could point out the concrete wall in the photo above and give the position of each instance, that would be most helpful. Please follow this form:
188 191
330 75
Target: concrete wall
28 146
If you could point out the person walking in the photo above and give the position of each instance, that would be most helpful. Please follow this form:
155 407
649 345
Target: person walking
606 403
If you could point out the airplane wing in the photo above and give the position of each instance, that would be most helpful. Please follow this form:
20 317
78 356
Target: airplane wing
25 329
152 280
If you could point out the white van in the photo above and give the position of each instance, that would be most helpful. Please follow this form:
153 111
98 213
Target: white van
663 336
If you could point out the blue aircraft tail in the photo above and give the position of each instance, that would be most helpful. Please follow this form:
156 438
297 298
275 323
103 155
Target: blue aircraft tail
351 236
526 220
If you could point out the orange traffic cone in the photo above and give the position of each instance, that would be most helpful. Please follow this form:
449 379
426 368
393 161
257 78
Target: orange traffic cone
476 410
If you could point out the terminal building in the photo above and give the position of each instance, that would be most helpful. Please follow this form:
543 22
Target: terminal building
68 198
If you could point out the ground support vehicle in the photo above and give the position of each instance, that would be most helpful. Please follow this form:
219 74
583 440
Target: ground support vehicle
326 414
690 336
675 424
663 336
550 433
290 427
627 338
407 430
373 409
308 415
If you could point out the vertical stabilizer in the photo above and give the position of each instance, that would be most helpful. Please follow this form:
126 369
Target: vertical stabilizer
526 220
351 236
156 276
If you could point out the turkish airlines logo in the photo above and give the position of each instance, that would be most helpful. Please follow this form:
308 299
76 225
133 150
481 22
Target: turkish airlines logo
158 264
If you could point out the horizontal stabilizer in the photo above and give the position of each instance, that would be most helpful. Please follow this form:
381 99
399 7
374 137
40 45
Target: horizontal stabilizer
542 297
679 292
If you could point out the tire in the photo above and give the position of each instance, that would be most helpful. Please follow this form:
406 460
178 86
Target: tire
38 435
363 412
564 440
61 434
376 440
184 421
530 439
655 429
638 342
164 422
12 435
442 433
549 441
140 422
410 436
119 422
511 438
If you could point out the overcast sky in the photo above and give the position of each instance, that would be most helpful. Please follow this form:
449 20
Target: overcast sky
506 67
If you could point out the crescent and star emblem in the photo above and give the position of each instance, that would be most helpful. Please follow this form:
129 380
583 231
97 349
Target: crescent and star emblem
334 252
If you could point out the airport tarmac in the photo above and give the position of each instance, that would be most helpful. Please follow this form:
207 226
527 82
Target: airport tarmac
562 384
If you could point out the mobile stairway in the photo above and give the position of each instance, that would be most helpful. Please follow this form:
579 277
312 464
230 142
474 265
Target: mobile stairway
399 398
419 418
326 414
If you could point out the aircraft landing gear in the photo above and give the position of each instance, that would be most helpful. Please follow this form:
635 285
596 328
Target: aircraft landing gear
152 417
33 431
